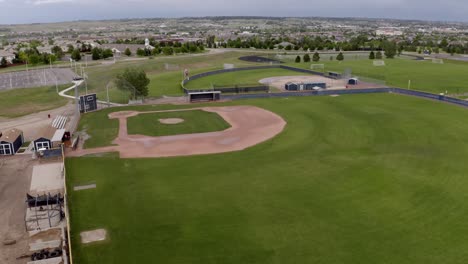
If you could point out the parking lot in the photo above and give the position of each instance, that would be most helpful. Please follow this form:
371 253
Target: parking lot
36 78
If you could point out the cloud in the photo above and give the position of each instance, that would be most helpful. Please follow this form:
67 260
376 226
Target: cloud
45 2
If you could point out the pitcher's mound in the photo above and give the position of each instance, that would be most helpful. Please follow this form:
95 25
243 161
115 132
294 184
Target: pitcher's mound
171 121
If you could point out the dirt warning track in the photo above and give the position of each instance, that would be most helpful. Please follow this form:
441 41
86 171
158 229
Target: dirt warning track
249 126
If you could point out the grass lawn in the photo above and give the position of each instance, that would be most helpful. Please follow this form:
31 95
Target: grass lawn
375 178
163 81
195 121
20 102
239 78
424 75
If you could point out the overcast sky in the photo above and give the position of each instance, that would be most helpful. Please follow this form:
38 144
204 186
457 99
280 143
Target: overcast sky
35 11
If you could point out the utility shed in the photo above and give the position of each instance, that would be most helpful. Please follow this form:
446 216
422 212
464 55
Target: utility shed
11 141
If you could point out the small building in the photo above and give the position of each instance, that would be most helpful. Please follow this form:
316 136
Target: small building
11 141
291 86
45 140
314 85
353 81
9 56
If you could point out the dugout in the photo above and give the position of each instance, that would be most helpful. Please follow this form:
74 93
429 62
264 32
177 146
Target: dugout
353 81
11 141
291 86
334 75
204 96
311 85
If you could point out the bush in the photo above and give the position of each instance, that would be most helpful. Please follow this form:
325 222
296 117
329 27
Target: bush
298 59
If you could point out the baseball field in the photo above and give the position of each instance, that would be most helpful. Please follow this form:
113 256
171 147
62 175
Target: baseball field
376 178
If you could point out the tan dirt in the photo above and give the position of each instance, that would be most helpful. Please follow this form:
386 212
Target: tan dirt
280 81
249 126
171 121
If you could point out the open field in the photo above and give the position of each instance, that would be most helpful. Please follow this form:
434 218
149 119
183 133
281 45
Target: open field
195 121
424 75
164 80
20 102
240 78
376 178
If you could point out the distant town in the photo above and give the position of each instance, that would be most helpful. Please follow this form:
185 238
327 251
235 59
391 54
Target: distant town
45 43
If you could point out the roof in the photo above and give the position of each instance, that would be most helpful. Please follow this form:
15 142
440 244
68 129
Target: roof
47 178
4 53
58 135
47 133
10 135
206 92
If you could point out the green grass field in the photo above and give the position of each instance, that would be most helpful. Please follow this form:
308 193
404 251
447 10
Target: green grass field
195 121
240 78
424 75
376 178
20 102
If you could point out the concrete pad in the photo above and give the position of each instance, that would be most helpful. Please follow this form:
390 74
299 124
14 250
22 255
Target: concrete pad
43 245
56 260
47 178
84 187
93 236
171 121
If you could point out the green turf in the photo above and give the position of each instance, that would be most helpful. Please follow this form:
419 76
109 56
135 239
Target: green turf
195 121
102 130
377 178
449 77
20 102
239 78
163 81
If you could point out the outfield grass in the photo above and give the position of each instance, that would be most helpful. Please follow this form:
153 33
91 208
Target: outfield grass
195 121
424 75
376 178
20 102
163 81
240 78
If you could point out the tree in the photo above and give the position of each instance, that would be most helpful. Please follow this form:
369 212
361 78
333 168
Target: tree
390 49
340 57
70 48
127 52
316 57
298 59
107 53
57 51
96 54
3 62
76 55
306 58
34 59
133 80
378 55
288 47
372 55
141 52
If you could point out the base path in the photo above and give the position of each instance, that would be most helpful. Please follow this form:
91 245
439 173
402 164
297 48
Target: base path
249 126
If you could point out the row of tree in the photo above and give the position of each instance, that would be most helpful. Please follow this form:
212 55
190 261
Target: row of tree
189 47
316 57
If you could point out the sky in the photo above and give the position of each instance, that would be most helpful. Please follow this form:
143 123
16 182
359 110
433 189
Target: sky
41 11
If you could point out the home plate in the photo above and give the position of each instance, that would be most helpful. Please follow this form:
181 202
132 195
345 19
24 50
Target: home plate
93 236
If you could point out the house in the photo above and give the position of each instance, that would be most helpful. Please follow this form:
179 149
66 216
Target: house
9 56
11 141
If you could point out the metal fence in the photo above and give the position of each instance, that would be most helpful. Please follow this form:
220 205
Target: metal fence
427 95
234 89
